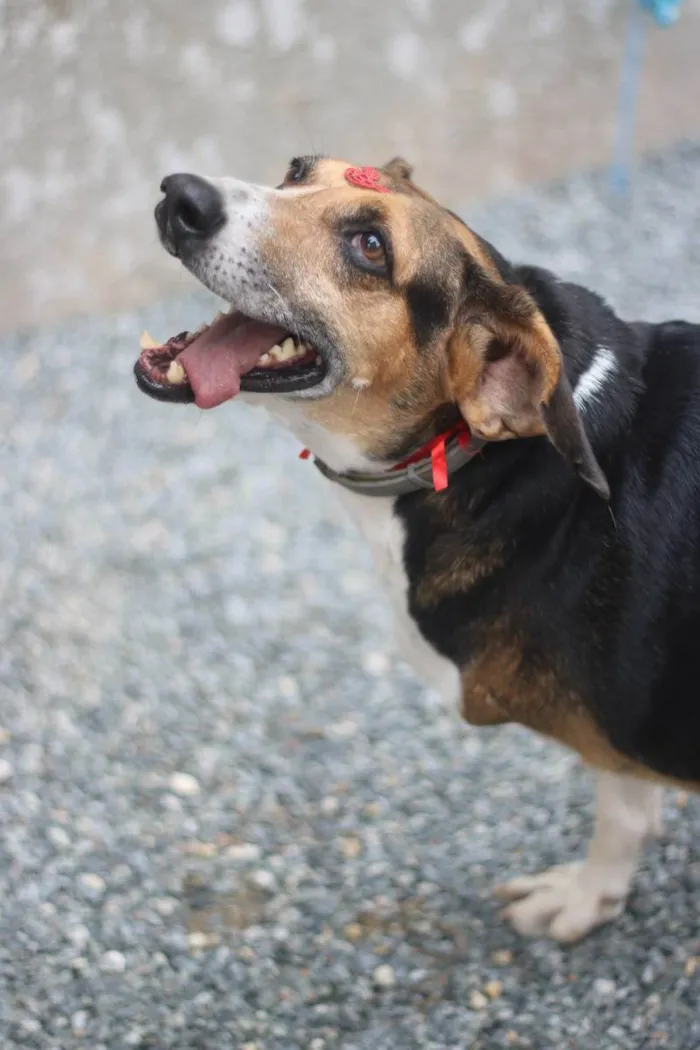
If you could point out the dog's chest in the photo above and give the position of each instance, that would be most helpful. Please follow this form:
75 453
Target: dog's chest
384 532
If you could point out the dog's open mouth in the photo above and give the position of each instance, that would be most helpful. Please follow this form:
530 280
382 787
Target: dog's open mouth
231 354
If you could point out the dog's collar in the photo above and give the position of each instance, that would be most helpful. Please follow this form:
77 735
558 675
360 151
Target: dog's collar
428 467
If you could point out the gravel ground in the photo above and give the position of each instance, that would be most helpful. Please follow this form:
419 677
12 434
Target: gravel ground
230 816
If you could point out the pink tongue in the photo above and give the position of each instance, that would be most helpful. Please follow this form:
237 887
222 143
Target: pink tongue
228 349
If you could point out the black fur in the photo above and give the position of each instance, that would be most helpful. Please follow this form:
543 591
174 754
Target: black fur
611 593
429 307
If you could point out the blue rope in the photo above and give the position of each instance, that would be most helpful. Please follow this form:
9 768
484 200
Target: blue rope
665 13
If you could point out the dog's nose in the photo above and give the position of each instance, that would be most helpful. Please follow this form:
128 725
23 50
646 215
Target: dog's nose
192 207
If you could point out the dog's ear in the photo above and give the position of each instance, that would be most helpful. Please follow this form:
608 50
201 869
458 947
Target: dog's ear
398 168
506 373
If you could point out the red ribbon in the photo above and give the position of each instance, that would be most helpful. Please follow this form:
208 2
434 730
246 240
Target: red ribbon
435 448
366 179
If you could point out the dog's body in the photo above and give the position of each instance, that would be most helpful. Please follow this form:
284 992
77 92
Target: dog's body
520 591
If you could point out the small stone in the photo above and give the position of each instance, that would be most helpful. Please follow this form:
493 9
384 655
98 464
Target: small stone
184 784
682 799
78 935
512 1037
6 771
384 976
264 880
198 940
604 987
91 885
79 1022
200 849
113 962
372 810
494 989
243 852
58 837
350 847
30 1025
426 889
79 964
165 906
288 687
353 931
343 730
135 1037
478 1001
317 1044
375 663
691 966
330 805
503 957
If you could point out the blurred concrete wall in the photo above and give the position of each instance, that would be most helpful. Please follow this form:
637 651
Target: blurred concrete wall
100 98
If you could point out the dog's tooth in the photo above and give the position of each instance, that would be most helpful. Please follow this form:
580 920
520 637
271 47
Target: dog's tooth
218 317
264 360
276 353
202 328
318 359
176 373
288 349
147 342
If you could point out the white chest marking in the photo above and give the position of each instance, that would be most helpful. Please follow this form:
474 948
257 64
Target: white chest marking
384 533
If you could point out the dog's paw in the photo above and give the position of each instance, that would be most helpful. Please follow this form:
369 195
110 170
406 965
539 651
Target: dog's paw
565 903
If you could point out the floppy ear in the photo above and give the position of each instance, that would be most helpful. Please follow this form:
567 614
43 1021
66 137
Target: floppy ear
506 374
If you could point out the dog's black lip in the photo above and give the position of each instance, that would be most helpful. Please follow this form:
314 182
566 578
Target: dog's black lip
263 380
257 381
176 393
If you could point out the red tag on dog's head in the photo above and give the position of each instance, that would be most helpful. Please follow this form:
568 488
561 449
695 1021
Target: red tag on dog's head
366 179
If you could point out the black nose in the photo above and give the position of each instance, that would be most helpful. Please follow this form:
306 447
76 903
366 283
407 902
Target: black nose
192 207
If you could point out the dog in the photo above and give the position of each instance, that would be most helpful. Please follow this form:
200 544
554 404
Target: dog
521 461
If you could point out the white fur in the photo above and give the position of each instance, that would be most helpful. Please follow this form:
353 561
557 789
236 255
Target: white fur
232 265
569 901
384 532
590 385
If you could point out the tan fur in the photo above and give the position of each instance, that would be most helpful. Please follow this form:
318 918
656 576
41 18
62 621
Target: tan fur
391 389
505 411
496 688
452 568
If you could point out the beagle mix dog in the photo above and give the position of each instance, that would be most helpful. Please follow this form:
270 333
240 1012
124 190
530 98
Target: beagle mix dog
522 462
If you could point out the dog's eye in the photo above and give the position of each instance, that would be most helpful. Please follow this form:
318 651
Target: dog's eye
370 247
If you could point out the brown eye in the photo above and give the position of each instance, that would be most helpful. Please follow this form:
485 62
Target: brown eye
370 245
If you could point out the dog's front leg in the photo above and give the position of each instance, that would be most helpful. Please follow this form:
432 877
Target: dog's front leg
567 902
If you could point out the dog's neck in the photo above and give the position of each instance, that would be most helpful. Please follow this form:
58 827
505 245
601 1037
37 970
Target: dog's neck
337 450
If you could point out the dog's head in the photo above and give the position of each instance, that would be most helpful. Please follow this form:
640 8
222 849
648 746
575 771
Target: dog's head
362 307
